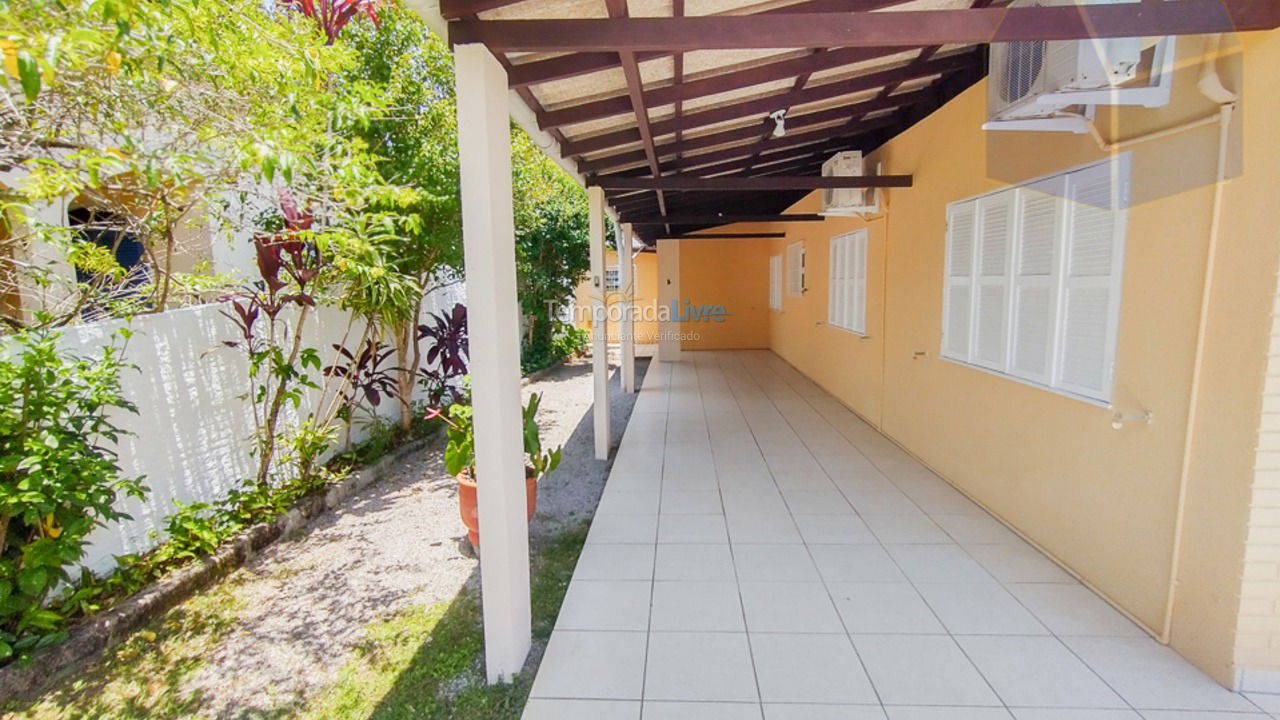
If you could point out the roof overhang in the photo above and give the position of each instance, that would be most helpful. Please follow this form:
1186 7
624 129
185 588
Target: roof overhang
647 97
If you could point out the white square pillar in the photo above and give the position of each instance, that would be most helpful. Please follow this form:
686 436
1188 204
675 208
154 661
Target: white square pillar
599 323
627 278
488 233
669 297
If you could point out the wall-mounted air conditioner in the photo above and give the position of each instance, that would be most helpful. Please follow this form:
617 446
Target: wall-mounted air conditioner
848 201
1053 85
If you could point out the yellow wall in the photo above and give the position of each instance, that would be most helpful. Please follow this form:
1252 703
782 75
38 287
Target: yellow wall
645 299
1102 501
732 273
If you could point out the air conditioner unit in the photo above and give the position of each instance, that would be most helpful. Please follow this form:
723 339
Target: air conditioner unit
848 201
1053 85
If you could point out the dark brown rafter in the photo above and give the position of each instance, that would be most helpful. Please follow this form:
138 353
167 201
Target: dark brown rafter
635 90
715 84
761 106
873 29
567 66
781 146
720 219
761 132
731 236
793 182
624 137
677 68
457 9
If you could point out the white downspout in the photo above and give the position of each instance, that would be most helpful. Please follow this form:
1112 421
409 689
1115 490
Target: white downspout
1210 86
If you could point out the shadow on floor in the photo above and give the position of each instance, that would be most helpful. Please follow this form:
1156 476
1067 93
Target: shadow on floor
444 676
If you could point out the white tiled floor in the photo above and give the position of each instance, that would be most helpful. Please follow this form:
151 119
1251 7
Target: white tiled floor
760 553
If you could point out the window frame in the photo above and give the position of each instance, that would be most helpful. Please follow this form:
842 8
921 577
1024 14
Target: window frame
847 282
775 282
617 274
1058 278
795 269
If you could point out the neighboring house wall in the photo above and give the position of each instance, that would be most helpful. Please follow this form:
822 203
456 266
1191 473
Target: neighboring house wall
645 299
1104 502
199 249
192 436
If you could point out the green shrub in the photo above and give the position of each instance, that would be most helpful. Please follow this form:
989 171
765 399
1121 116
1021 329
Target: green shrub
58 480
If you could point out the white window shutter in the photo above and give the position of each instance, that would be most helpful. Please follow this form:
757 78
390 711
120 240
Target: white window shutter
835 282
795 269
1093 256
958 288
1039 232
775 282
847 292
991 331
858 283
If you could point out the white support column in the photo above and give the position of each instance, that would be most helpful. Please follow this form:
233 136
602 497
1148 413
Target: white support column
669 297
488 233
627 278
599 322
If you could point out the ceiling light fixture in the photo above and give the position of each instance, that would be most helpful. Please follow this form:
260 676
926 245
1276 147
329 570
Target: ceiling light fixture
779 117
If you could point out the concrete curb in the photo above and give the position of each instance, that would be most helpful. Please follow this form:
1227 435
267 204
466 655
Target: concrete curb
98 634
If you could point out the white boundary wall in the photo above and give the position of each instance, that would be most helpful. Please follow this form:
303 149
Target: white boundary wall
192 436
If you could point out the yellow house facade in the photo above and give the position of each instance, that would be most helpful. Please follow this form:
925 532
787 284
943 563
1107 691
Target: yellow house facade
1162 490
643 295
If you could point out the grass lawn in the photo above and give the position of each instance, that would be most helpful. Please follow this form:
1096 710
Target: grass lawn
423 663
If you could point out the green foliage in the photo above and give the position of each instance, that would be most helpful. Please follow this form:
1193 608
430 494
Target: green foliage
460 452
540 460
566 341
58 480
133 116
552 248
427 663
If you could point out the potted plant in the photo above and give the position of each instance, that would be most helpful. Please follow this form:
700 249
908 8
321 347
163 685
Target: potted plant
460 460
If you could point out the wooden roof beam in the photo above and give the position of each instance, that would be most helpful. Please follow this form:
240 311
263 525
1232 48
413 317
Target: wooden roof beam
716 84
764 105
761 133
777 182
720 219
872 29
567 66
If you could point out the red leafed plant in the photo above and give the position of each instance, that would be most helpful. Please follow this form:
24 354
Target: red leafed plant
333 15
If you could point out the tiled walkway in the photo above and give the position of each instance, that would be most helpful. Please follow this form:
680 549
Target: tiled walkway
760 553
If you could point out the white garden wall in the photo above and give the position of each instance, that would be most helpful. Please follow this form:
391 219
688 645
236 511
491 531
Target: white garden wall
191 438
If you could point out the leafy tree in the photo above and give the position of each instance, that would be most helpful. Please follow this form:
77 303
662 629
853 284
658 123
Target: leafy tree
58 479
161 115
414 143
552 247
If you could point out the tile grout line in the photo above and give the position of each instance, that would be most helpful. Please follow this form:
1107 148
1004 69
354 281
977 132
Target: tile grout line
653 570
733 560
913 585
999 582
848 638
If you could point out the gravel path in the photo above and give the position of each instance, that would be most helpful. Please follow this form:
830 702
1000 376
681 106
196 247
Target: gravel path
398 542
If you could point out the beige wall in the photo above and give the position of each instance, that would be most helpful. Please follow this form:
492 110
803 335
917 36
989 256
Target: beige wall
644 299
1258 629
1104 502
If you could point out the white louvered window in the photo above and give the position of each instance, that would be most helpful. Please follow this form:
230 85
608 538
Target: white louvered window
847 290
775 282
795 269
612 278
1033 276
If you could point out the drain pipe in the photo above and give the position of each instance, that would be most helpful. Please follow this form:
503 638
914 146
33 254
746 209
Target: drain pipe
1210 86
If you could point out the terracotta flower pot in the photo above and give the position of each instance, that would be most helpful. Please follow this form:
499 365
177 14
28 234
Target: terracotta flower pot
470 512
